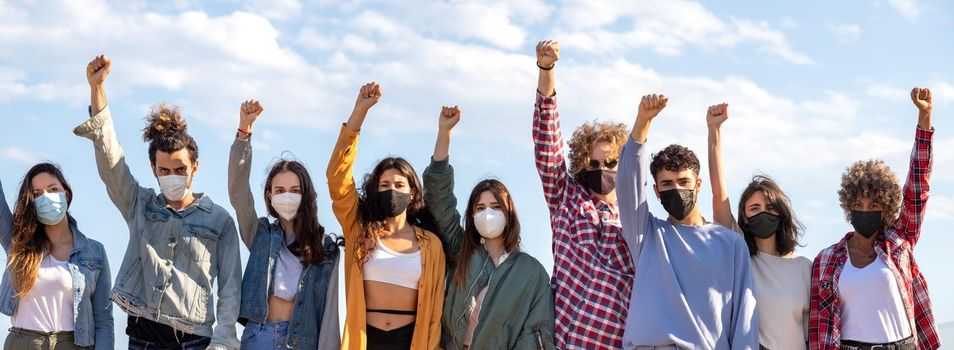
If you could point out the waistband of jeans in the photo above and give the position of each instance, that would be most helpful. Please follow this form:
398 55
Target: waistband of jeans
276 325
851 344
15 330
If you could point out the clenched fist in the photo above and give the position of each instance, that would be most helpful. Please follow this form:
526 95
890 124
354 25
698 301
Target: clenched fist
548 53
250 111
450 116
368 96
98 69
651 105
717 115
922 99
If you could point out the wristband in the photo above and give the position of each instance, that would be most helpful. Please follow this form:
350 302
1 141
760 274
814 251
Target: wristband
541 67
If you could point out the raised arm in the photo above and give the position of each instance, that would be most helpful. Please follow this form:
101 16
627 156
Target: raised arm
229 281
917 187
121 186
633 174
439 186
721 208
240 163
340 173
6 222
547 136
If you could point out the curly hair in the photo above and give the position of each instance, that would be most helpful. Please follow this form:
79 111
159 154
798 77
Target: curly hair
581 143
871 179
674 158
166 132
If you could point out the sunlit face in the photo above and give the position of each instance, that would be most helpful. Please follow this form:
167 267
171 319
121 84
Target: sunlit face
866 204
44 183
285 182
685 179
758 203
604 154
487 200
392 179
176 163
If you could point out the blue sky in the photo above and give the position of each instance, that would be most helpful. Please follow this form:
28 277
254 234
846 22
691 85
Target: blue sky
812 86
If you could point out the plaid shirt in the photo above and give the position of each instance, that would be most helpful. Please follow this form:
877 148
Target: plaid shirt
593 270
895 247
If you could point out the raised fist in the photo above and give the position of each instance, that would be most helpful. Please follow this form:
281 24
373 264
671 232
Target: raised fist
250 111
651 105
450 116
922 99
548 53
717 114
98 69
368 96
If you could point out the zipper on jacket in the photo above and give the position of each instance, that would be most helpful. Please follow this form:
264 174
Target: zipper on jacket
536 331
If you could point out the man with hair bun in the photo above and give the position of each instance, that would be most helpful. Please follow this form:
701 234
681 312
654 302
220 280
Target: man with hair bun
592 269
867 290
694 287
180 242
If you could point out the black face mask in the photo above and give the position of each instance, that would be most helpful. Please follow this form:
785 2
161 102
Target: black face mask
762 225
867 223
678 202
600 181
392 203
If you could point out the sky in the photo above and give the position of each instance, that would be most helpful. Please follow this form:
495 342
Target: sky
812 87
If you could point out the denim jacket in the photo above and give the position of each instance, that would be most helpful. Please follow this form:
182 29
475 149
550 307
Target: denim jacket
314 322
173 258
89 267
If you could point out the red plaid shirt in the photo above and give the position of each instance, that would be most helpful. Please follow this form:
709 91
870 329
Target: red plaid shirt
593 270
895 247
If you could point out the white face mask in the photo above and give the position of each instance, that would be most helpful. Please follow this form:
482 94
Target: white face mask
51 207
286 204
173 187
490 223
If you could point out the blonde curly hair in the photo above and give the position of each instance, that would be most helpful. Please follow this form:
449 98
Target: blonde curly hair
872 179
581 143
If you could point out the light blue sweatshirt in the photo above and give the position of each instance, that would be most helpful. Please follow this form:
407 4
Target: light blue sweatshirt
693 285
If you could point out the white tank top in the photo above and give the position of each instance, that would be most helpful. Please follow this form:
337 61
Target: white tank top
388 266
48 307
871 306
287 272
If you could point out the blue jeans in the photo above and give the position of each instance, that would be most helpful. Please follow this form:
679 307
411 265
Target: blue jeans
200 344
265 336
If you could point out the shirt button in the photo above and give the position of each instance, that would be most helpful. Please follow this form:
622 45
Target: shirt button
168 263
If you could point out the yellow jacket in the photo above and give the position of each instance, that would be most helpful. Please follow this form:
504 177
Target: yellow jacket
430 292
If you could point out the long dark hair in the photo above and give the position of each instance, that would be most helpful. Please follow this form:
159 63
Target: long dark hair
29 242
166 132
789 228
511 232
309 234
373 220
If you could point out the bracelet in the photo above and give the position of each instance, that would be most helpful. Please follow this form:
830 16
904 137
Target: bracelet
244 132
541 67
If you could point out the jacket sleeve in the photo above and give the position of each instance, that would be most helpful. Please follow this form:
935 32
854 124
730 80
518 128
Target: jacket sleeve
103 331
631 188
240 192
548 151
229 294
537 332
916 188
329 334
6 222
442 203
342 189
121 186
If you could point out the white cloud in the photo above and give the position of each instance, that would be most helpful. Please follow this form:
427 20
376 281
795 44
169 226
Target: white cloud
667 28
845 32
19 155
888 92
942 92
906 8
280 10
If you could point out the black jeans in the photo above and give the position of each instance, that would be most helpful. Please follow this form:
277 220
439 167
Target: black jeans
395 339
145 334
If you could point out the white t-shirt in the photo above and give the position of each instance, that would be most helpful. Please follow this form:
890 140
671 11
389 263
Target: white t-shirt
287 272
782 292
871 306
48 307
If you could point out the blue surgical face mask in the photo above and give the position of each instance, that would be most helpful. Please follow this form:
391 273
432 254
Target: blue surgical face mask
51 207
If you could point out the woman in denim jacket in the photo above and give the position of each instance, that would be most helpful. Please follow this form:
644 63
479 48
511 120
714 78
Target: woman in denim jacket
56 283
289 290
